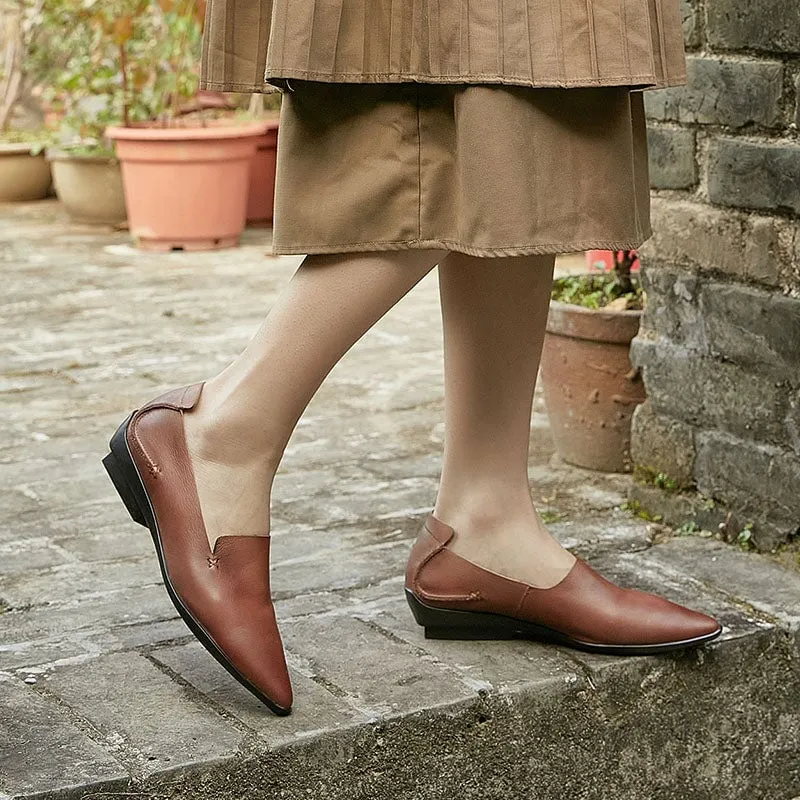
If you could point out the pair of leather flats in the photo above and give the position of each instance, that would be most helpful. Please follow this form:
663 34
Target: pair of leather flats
223 594
452 598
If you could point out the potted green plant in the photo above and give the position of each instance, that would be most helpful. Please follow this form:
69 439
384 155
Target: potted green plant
185 175
590 388
78 95
24 172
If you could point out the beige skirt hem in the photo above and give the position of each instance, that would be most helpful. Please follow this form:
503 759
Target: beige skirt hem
460 247
482 169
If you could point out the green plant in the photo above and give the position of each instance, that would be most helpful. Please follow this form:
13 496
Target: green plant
744 537
663 481
37 140
618 289
687 528
549 515
691 528
708 503
634 507
121 62
648 476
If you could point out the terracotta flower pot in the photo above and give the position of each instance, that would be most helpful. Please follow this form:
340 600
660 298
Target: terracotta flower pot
89 187
186 187
590 389
23 176
261 197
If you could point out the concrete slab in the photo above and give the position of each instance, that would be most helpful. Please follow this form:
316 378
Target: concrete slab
319 712
149 721
41 750
749 579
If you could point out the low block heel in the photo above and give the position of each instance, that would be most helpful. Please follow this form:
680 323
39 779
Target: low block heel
443 623
467 634
115 472
122 471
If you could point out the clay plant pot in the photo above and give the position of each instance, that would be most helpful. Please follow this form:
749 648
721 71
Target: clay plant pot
261 195
23 176
89 187
590 389
186 187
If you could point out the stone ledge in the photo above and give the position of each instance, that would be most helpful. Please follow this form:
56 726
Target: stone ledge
382 712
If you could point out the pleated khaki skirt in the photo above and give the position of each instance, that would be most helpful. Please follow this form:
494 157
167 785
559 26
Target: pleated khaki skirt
484 169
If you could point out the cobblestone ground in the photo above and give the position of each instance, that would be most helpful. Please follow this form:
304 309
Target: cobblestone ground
92 654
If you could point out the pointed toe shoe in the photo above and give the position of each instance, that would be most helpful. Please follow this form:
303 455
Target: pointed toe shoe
223 594
452 598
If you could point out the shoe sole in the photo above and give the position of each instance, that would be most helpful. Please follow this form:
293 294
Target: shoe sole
441 623
125 476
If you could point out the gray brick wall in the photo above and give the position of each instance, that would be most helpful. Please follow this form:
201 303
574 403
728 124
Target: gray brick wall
767 25
733 91
719 346
672 160
754 174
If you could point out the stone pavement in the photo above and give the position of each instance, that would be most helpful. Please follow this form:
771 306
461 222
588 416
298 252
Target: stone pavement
104 693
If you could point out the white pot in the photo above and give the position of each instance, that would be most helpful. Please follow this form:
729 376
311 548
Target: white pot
90 187
23 176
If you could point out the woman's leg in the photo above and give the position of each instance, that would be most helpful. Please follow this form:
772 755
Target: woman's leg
238 431
494 312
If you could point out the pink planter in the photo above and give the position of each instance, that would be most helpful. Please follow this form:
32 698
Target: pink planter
261 198
186 188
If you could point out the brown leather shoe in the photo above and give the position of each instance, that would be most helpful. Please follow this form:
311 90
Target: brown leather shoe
223 595
456 599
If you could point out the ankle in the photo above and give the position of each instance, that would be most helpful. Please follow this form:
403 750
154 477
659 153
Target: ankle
221 432
478 520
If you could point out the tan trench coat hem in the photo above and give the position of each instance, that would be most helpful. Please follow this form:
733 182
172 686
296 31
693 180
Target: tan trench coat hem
245 88
644 81
249 45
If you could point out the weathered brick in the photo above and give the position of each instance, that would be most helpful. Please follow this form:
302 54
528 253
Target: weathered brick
792 422
690 14
722 91
797 100
771 25
763 259
754 175
693 234
793 268
759 480
662 444
671 158
758 329
708 393
672 310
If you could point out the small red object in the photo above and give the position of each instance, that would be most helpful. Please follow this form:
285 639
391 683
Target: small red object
603 260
